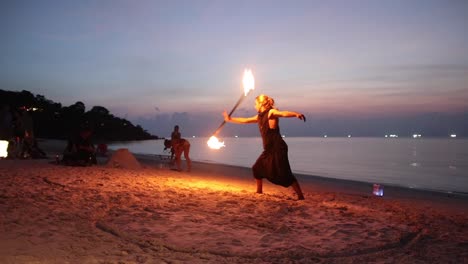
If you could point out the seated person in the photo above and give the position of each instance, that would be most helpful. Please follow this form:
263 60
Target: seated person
31 149
102 149
80 150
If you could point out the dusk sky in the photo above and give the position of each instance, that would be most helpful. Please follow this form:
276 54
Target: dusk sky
161 63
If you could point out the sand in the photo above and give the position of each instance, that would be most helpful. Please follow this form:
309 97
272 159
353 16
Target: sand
57 214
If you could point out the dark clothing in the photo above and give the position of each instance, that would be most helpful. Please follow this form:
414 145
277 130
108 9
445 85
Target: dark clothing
273 163
175 137
31 149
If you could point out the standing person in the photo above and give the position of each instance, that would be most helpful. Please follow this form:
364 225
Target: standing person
273 163
175 138
28 137
179 146
175 135
18 133
6 123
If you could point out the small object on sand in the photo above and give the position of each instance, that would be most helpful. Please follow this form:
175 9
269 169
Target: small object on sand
377 190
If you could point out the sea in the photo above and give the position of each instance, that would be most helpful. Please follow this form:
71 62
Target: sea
437 164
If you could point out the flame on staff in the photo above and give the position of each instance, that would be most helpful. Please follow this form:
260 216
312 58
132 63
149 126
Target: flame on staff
214 143
248 82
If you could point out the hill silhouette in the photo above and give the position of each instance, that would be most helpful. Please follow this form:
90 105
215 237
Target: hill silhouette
54 121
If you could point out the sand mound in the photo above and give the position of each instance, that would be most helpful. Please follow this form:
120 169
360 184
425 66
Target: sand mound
122 158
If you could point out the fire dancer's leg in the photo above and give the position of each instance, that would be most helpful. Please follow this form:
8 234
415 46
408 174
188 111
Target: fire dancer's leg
259 185
297 189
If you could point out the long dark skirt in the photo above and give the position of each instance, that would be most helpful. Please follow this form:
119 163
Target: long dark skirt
273 164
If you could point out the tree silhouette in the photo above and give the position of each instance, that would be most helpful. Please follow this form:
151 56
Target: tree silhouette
51 120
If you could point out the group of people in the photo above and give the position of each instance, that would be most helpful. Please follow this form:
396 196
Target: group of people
273 162
17 128
80 149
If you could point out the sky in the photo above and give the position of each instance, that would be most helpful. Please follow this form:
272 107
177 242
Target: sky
352 67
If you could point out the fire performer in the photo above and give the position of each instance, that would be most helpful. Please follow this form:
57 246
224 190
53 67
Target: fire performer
273 163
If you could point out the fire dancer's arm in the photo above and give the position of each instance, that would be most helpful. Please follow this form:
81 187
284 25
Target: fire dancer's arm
276 113
240 120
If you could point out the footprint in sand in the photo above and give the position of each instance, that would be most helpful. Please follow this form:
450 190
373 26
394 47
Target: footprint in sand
268 239
236 242
283 229
227 203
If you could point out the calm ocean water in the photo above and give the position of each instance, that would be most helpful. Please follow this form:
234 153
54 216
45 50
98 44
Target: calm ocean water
423 163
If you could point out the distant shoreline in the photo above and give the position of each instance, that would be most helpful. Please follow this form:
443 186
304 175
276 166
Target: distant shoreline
55 147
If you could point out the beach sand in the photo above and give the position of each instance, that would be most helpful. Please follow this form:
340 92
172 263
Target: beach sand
57 214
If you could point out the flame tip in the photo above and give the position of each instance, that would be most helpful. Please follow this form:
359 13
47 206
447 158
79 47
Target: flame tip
248 81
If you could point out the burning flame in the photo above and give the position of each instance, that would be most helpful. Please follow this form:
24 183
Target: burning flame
3 148
248 81
249 84
214 143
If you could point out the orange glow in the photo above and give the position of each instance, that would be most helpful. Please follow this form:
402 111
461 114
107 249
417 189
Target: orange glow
248 81
205 184
3 148
214 143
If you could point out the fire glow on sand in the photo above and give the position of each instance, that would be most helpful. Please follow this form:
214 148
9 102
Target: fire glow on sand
248 82
3 148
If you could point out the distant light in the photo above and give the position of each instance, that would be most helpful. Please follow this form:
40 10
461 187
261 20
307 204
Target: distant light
236 136
283 136
325 136
3 148
416 135
349 136
453 135
386 136
193 136
393 136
